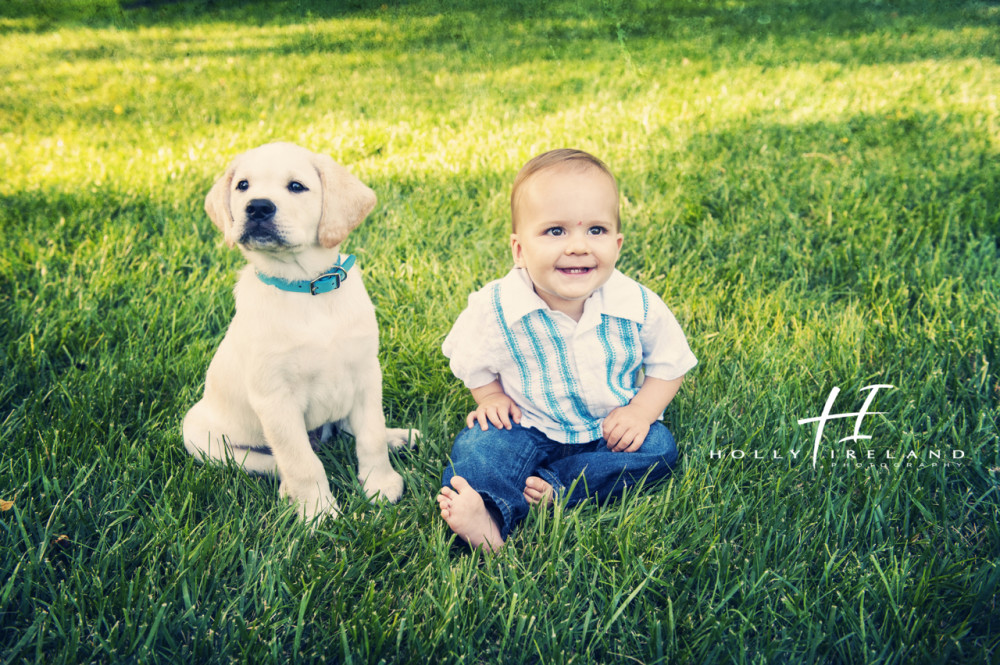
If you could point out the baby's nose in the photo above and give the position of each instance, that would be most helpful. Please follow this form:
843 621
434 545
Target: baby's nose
577 244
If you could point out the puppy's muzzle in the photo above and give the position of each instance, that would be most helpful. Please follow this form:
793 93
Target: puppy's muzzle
259 229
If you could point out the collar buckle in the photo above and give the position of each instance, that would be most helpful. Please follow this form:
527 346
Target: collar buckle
337 274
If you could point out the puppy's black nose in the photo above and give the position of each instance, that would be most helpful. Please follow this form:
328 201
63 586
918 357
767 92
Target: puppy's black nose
260 209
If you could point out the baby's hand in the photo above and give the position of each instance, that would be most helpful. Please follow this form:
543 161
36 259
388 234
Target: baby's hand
496 408
625 429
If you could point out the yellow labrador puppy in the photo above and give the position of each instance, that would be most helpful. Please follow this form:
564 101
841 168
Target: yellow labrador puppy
302 349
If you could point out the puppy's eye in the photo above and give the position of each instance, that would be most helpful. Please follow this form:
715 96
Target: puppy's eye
297 187
243 185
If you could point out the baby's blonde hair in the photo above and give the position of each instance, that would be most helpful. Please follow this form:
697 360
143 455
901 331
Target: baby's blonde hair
560 158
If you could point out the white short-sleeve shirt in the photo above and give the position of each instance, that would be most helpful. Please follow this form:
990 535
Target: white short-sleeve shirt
566 376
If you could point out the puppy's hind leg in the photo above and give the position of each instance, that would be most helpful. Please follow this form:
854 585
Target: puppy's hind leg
321 435
397 438
207 440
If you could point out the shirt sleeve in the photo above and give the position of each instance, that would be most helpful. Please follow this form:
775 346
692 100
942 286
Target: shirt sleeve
469 345
665 351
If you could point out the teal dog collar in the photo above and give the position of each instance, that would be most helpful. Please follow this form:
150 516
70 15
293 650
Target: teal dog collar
330 280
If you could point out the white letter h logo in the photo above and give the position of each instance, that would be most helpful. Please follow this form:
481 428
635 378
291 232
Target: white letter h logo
822 420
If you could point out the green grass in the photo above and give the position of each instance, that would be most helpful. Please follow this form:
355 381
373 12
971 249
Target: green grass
811 186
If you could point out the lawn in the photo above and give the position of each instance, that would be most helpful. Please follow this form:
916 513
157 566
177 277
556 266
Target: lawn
813 186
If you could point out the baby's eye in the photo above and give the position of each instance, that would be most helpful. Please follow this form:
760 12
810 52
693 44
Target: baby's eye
597 230
243 185
297 187
555 231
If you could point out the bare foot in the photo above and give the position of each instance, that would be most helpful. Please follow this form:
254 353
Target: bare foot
537 491
464 511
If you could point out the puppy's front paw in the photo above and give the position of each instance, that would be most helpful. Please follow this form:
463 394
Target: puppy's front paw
311 501
402 438
386 485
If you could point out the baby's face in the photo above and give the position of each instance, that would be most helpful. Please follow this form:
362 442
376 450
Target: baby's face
567 236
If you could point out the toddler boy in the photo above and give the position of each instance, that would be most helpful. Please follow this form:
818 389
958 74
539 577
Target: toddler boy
552 354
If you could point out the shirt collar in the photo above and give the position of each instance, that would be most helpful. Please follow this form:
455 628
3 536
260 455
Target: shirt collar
517 295
619 297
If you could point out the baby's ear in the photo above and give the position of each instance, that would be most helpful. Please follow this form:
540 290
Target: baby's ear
515 250
217 203
346 201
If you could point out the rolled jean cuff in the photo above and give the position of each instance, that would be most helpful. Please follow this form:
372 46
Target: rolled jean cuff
505 510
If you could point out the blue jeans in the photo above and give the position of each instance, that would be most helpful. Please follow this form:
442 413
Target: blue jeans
498 461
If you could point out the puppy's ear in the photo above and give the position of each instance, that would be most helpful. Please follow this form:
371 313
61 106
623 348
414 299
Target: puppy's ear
217 203
346 201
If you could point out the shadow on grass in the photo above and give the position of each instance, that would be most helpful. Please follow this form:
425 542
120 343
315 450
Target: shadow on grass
874 31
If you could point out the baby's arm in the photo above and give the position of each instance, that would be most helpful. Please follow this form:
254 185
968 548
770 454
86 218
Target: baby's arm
495 406
626 427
